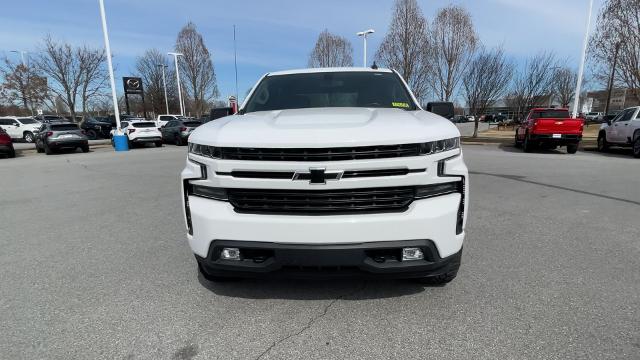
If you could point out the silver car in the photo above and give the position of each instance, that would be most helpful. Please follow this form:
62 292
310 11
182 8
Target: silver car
52 137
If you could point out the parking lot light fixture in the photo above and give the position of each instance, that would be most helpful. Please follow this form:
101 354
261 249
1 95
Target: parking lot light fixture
175 59
364 36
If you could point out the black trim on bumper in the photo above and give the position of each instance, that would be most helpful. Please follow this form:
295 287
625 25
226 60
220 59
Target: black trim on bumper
549 139
376 259
66 144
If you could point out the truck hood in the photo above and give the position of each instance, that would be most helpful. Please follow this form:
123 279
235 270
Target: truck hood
324 127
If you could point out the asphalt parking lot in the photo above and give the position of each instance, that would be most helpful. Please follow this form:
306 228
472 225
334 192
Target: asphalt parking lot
95 265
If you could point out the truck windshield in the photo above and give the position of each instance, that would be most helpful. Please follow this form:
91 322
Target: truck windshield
330 89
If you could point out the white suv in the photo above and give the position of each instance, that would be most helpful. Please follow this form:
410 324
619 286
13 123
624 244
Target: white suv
140 132
623 130
334 171
162 120
22 128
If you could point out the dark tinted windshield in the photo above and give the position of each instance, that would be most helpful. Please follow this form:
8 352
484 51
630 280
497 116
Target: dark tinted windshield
551 114
62 127
192 123
144 125
330 89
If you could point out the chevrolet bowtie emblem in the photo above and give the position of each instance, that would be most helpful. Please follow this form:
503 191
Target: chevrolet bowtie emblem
317 176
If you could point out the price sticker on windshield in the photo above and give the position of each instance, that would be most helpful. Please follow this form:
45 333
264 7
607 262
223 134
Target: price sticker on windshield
403 105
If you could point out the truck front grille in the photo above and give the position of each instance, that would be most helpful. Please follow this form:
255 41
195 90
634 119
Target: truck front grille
318 154
319 202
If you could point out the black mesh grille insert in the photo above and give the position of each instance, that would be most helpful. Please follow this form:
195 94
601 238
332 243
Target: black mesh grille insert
319 154
321 201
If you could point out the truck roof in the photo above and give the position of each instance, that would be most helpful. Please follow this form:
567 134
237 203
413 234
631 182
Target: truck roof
330 69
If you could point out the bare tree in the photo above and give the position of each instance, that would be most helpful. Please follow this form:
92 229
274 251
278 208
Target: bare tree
618 23
564 85
197 68
22 84
486 80
405 47
534 82
331 51
149 68
94 74
73 73
453 41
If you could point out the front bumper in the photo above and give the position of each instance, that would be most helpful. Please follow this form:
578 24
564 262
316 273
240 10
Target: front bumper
375 259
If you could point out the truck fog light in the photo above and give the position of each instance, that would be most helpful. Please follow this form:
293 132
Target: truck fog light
230 254
412 254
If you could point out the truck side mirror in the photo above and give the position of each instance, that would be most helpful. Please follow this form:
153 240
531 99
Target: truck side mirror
444 109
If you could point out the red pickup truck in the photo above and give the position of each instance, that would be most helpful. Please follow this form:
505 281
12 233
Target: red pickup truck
549 128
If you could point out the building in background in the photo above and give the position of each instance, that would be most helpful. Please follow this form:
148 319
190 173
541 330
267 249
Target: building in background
620 99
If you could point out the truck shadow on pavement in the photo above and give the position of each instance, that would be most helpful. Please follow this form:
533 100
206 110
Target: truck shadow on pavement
293 289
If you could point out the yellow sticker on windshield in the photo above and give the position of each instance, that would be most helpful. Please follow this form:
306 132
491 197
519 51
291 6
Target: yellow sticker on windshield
400 104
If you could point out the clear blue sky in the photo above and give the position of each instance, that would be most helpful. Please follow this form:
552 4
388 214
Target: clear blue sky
278 34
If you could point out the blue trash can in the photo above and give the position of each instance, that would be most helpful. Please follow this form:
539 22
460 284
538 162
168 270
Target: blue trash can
121 142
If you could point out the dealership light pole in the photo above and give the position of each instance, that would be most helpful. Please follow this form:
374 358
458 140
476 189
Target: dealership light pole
576 100
120 140
175 59
164 85
21 52
364 36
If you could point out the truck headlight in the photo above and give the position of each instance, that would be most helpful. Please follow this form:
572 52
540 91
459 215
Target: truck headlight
434 147
204 150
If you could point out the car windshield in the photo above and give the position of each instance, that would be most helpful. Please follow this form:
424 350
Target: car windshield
551 114
28 121
144 124
192 123
62 127
330 89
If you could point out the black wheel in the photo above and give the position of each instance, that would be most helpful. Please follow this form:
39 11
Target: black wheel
47 149
516 142
603 144
214 278
12 153
572 148
39 149
177 140
28 137
446 277
527 146
131 144
92 135
85 148
636 145
158 143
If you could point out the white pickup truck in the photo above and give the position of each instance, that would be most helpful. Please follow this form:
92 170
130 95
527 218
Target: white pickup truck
623 130
162 120
327 172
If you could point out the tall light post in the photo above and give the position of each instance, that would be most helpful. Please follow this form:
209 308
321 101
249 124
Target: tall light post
164 85
576 100
119 139
364 36
175 59
21 52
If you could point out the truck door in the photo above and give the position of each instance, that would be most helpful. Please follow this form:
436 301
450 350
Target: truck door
620 126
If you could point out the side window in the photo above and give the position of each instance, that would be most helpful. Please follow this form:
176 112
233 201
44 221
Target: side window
3 122
164 117
638 114
172 123
626 116
124 124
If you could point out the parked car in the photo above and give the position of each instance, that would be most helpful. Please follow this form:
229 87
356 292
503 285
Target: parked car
471 118
459 119
49 118
594 116
623 130
95 128
140 133
162 120
124 117
6 144
317 152
57 136
178 131
550 128
20 128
